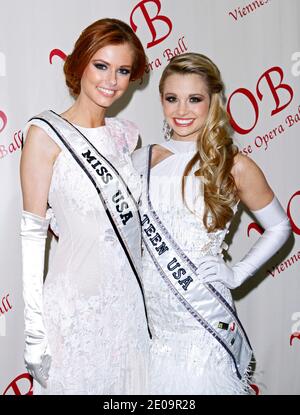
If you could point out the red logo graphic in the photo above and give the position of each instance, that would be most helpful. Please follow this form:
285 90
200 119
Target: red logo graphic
21 385
250 8
256 227
177 51
142 6
255 388
3 121
5 305
13 146
285 265
57 52
295 335
273 88
293 119
295 228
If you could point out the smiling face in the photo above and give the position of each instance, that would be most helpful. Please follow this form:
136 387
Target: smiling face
107 75
185 102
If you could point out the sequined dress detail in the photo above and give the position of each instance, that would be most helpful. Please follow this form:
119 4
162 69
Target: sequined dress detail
185 358
93 308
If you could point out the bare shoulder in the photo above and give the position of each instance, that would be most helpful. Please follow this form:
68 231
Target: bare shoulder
37 136
242 164
36 168
159 150
251 183
244 167
159 153
39 143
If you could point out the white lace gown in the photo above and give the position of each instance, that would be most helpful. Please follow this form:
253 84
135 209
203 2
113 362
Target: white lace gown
93 306
185 358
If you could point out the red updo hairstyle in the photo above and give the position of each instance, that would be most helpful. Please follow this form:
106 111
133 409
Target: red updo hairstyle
96 36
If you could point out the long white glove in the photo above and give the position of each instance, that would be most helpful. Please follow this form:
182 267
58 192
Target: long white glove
33 238
53 223
277 230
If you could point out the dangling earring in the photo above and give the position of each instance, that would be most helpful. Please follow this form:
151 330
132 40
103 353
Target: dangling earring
167 131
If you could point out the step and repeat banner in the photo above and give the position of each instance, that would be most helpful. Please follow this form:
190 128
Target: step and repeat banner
256 45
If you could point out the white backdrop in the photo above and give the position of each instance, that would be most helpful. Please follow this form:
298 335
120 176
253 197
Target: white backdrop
256 45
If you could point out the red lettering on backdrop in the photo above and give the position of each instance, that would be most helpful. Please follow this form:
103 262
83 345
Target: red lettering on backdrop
295 228
142 5
5 305
255 388
17 385
3 119
256 227
295 335
13 146
57 52
252 99
285 265
274 88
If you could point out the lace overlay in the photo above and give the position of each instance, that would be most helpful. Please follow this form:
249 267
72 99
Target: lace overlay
93 307
185 358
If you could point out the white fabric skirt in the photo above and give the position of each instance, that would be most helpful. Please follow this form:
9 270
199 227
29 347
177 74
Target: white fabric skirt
192 364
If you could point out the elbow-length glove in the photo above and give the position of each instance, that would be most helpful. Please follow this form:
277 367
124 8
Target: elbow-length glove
33 239
277 230
52 221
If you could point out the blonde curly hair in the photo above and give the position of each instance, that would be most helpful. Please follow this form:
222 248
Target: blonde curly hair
216 151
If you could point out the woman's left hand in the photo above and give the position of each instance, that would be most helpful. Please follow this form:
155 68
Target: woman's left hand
213 268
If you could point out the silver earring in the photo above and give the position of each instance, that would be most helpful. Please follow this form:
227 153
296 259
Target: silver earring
167 131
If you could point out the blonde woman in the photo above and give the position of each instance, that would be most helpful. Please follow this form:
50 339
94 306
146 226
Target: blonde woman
192 185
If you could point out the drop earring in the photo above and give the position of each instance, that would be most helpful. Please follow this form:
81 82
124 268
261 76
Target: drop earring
167 131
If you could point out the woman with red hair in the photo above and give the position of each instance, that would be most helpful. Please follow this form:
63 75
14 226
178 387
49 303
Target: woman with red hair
86 326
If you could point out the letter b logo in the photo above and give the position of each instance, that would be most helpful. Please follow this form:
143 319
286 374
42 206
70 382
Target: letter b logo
150 21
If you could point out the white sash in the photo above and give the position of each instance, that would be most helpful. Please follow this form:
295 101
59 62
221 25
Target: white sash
117 200
202 301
